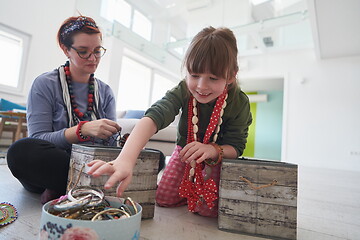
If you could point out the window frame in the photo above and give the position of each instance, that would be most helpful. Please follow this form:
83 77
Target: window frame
153 71
157 71
26 39
146 17
151 80
132 18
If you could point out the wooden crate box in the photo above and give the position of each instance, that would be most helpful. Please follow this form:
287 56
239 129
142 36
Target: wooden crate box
258 197
144 181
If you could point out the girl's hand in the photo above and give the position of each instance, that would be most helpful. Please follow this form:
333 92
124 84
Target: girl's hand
197 151
119 172
121 169
101 128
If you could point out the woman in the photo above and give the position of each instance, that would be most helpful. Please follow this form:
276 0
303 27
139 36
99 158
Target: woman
65 106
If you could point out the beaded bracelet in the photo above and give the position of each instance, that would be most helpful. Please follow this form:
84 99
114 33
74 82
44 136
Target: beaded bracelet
81 137
220 150
8 213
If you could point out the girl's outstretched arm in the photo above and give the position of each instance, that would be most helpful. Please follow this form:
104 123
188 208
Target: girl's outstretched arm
121 169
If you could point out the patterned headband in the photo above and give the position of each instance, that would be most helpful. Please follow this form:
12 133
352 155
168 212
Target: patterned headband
77 25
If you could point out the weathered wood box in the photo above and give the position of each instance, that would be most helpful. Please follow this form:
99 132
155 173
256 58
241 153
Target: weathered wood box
258 197
144 181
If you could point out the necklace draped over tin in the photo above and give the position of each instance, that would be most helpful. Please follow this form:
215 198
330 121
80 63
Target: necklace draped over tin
193 186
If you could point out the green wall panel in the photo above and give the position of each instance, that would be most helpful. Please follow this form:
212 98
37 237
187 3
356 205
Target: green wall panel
250 145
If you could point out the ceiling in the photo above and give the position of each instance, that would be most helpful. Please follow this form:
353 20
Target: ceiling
335 24
336 27
259 12
259 25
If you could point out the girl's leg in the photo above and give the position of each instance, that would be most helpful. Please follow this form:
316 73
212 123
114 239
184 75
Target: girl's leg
167 193
39 165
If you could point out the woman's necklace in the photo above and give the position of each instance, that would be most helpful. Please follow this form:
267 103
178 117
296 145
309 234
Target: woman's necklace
74 106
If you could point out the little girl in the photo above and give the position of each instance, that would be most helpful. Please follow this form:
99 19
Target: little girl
215 116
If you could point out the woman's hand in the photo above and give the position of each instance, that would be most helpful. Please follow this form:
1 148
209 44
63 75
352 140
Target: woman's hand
102 128
197 151
119 172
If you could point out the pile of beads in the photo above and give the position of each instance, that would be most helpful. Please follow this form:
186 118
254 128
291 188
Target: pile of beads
8 213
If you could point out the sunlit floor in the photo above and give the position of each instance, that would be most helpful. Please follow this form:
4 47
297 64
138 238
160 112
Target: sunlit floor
328 209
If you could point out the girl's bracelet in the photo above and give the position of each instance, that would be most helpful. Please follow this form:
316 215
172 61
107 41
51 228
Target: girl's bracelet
81 137
220 150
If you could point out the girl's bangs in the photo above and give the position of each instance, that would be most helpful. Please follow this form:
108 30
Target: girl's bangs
209 58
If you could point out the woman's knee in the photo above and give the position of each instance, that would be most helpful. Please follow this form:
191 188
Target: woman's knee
15 154
20 155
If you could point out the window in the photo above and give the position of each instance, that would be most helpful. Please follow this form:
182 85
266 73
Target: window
118 10
142 25
13 48
258 2
140 85
123 10
179 50
160 87
134 85
128 16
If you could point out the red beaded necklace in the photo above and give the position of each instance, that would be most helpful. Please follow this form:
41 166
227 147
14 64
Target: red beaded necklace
193 186
74 106
214 119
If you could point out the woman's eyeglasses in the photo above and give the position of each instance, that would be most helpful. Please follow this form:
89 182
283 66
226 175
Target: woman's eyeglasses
85 54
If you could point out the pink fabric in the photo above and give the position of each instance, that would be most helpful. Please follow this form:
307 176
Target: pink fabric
167 193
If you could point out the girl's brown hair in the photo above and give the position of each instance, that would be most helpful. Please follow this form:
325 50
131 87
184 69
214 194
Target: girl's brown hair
213 50
74 25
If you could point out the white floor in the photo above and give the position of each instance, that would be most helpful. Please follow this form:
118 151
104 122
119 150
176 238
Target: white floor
328 209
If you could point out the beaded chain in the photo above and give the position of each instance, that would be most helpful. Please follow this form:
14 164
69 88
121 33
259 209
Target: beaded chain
8 213
193 186
214 125
74 106
215 119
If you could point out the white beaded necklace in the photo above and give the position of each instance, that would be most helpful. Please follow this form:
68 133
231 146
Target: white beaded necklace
195 120
215 122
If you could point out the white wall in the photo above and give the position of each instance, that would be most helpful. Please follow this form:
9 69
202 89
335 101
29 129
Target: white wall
41 20
321 105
